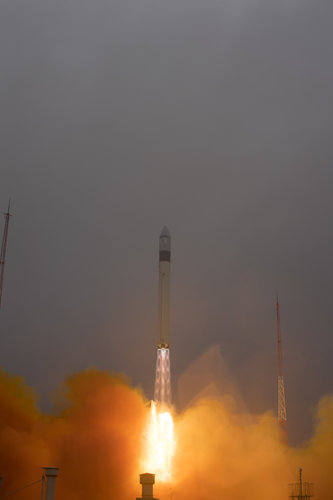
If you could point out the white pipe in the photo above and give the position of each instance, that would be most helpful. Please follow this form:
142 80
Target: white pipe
51 474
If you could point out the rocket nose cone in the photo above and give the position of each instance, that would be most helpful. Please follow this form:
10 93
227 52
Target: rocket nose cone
165 232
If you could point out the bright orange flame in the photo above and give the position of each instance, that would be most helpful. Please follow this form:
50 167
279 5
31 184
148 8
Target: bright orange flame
160 444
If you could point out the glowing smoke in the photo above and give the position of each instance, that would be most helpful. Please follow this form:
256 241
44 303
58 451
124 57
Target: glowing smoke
96 440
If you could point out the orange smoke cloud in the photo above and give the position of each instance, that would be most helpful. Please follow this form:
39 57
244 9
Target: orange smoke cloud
97 437
95 440
230 456
221 454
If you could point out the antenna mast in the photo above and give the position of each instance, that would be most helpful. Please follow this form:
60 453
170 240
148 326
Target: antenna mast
3 250
301 490
282 410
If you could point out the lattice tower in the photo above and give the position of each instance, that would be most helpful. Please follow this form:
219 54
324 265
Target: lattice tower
282 409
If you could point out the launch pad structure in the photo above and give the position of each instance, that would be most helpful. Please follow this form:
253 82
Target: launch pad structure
301 490
147 482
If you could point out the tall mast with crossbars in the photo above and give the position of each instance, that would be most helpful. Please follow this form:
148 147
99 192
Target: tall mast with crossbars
282 409
3 250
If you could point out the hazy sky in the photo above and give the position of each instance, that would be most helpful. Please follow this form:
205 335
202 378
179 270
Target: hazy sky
211 116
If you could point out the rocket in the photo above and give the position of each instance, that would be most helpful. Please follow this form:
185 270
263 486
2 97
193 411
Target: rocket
162 393
164 289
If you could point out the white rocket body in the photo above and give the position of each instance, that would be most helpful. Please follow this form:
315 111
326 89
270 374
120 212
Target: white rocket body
162 392
164 289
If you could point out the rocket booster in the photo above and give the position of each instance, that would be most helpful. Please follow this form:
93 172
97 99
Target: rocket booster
162 392
164 289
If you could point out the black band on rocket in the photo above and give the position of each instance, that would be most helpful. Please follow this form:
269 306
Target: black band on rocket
165 255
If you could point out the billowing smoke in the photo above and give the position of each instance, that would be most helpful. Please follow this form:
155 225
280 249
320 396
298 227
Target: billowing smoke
95 439
97 434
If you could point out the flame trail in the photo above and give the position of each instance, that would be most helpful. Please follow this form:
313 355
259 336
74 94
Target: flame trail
162 392
160 444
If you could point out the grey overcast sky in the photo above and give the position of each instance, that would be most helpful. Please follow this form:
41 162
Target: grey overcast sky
211 116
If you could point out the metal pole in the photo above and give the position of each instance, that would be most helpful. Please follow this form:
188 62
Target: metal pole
42 489
51 474
3 250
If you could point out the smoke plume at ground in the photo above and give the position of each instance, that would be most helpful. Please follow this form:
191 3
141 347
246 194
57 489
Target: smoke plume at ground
96 438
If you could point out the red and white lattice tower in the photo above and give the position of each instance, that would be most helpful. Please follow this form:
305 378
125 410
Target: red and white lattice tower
3 250
282 409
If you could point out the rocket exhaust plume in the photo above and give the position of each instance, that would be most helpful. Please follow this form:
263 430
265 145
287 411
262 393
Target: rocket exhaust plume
159 444
162 392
